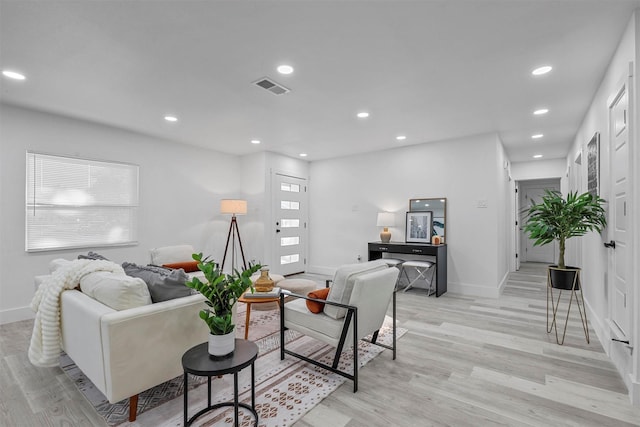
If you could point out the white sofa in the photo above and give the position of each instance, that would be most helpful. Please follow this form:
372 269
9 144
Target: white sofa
126 352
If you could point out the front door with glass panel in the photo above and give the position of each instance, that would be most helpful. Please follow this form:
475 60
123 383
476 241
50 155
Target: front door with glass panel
290 224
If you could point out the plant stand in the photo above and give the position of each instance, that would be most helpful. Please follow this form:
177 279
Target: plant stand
555 303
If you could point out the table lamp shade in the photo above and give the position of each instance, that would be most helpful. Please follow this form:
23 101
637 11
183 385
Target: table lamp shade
233 206
386 220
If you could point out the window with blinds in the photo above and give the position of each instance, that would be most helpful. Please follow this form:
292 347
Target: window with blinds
76 203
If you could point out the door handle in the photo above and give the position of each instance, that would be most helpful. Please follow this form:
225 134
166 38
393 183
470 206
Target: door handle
611 244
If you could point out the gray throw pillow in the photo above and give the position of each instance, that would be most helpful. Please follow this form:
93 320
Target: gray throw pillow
92 255
164 284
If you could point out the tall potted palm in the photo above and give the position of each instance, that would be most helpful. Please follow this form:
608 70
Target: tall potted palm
558 219
221 292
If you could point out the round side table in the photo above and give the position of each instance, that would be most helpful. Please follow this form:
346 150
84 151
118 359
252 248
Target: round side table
197 361
250 301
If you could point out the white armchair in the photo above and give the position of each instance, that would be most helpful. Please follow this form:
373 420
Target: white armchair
358 301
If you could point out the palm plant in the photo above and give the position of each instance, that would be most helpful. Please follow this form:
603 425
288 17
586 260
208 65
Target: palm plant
222 292
556 218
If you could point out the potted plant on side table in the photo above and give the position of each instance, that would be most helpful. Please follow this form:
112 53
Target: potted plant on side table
221 292
558 219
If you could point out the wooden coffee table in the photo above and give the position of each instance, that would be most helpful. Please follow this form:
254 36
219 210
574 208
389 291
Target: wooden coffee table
250 301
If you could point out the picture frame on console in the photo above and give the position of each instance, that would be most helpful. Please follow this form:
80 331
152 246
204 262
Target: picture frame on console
418 227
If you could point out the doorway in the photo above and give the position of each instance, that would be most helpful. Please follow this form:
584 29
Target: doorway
289 207
530 193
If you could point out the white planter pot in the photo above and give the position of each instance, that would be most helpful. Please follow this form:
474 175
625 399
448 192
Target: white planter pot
221 345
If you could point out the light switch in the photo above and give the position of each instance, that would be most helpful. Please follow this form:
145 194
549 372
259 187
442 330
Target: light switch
482 203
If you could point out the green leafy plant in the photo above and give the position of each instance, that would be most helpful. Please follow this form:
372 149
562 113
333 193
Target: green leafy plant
222 292
557 218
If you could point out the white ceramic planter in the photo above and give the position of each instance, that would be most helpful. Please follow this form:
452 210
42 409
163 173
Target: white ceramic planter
221 345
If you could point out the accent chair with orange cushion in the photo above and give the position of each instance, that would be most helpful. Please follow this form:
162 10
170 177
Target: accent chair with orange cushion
355 307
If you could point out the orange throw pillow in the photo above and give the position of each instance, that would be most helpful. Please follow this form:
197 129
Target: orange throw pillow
187 266
314 306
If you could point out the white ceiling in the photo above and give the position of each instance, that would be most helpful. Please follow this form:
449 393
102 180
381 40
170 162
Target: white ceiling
431 70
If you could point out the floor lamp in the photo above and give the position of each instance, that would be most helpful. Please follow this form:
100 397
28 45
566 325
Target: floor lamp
233 207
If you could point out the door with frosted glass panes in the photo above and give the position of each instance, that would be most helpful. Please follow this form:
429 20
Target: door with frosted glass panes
290 224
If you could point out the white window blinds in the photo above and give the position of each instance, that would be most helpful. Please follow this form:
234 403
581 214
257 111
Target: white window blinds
75 203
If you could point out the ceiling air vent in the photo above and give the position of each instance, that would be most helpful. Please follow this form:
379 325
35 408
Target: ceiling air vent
273 87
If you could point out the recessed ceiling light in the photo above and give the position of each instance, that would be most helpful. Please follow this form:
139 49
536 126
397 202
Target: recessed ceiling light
363 114
255 141
542 70
171 118
401 137
537 136
303 154
13 75
285 69
541 111
537 156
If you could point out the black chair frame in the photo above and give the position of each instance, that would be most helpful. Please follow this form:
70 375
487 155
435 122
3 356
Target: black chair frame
352 315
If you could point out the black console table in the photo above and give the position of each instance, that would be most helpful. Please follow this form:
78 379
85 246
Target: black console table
376 249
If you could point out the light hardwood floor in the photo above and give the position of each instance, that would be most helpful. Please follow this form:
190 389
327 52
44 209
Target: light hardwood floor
464 362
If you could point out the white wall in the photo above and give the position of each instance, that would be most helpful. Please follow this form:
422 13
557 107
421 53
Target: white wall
180 192
347 193
541 169
595 256
503 218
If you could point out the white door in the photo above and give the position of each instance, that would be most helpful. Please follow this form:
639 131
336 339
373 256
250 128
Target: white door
618 210
547 253
290 224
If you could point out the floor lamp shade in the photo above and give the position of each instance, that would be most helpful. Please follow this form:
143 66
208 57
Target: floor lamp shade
386 220
233 206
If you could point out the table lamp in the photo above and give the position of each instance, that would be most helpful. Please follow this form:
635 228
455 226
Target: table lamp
386 220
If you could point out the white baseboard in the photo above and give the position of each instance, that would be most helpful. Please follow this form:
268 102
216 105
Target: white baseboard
503 283
16 315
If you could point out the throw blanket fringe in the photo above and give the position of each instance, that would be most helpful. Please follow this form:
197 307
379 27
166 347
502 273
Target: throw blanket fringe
45 346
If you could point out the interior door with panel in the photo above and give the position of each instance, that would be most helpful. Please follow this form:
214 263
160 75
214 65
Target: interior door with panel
290 224
619 226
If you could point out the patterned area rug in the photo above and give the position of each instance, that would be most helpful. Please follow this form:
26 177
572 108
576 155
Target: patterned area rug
285 390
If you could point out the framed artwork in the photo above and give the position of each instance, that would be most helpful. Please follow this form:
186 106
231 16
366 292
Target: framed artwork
593 165
419 227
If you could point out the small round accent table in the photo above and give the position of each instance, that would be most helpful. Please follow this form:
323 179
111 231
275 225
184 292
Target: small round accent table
197 361
250 301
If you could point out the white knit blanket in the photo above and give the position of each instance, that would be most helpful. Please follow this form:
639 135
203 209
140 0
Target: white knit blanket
45 346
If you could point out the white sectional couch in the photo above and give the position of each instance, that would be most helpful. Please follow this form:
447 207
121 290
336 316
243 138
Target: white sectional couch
126 352
126 344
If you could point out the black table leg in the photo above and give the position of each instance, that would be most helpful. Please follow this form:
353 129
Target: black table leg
209 391
253 387
235 397
186 405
